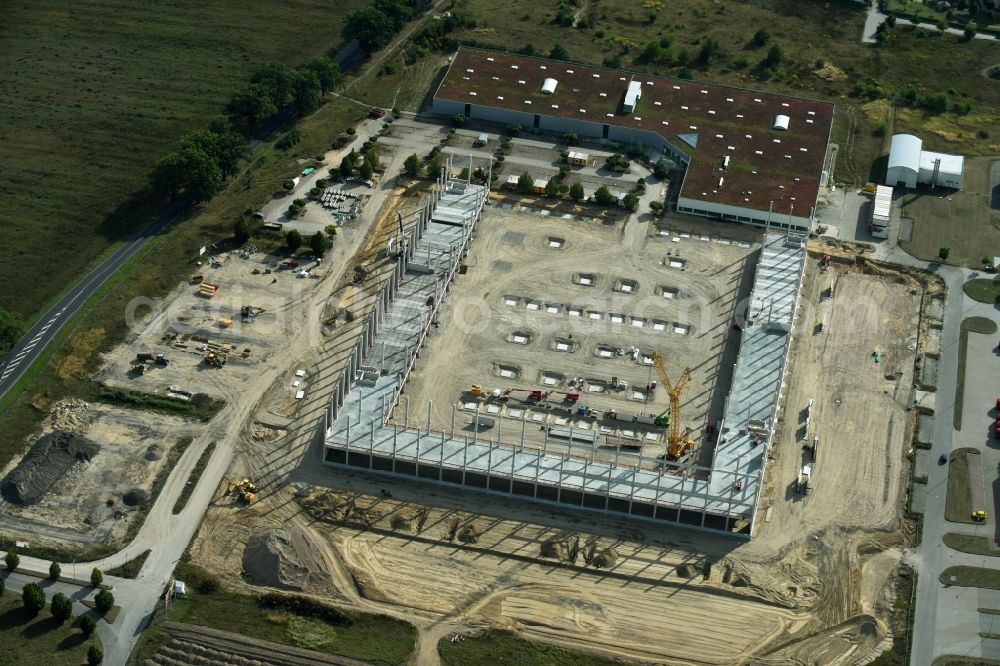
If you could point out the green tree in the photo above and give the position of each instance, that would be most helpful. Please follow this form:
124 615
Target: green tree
513 130
61 607
202 175
54 571
347 164
943 253
169 174
241 231
371 27
603 196
104 601
660 169
366 171
319 243
94 655
96 577
775 55
630 201
709 51
306 91
251 107
276 80
12 560
525 183
220 142
412 165
293 239
327 73
576 191
656 207
87 625
936 103
552 187
761 37
12 327
559 52
33 598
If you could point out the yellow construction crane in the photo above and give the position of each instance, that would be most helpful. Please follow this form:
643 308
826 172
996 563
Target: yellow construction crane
677 442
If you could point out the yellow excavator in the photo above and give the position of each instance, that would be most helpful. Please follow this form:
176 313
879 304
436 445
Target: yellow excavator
677 442
245 489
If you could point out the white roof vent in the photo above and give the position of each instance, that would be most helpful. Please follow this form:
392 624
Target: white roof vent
677 87
811 113
632 96
489 59
549 86
543 67
780 122
569 71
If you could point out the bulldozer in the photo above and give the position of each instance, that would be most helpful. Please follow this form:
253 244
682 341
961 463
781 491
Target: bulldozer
246 490
215 360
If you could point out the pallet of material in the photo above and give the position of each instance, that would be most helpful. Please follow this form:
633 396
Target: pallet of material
207 290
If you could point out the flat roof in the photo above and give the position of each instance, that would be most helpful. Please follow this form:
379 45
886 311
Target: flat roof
760 366
949 163
766 164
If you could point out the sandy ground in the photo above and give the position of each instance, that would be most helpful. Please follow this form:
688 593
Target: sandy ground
813 586
86 505
524 317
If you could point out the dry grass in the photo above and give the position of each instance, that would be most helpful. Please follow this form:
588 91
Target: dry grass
81 347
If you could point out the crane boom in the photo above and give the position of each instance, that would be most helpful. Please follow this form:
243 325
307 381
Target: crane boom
677 441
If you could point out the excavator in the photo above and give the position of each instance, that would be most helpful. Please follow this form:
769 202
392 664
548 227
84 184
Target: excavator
677 442
245 489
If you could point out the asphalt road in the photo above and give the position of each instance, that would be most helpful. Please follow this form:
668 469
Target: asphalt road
30 346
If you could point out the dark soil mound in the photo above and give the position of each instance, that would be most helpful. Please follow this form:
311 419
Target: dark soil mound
135 497
44 464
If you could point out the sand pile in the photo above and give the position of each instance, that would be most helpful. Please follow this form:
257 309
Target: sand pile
44 464
288 558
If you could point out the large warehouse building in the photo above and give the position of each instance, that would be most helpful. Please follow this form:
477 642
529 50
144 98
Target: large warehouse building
750 157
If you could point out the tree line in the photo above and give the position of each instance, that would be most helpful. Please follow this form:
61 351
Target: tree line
206 157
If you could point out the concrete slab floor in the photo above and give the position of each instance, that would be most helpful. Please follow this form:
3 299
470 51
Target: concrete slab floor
561 306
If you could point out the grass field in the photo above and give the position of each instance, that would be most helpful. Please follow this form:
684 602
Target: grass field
971 577
376 639
499 647
983 290
94 92
39 640
131 568
958 501
969 325
970 543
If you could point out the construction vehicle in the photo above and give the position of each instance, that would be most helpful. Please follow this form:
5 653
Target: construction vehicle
979 516
677 442
137 368
161 360
824 263
804 483
250 312
215 360
476 391
246 490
